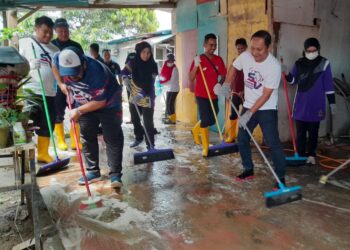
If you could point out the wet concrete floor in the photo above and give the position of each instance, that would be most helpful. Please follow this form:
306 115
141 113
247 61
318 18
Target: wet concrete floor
194 203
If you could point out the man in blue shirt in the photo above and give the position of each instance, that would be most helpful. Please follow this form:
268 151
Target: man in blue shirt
97 98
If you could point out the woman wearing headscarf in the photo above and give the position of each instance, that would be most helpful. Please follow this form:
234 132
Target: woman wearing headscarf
169 77
313 76
142 93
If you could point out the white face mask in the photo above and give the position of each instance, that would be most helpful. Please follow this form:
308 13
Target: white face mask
311 55
170 64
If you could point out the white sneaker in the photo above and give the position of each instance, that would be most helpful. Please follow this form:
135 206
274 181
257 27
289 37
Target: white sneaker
311 160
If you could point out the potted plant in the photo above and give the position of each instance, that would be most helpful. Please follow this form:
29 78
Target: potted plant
10 115
8 118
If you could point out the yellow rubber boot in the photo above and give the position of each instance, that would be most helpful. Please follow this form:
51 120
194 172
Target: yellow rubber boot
59 131
43 150
205 141
172 118
196 133
72 144
232 132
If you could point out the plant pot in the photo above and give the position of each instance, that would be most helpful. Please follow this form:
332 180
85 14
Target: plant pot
4 133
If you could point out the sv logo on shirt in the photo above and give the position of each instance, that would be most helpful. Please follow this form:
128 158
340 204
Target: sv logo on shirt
254 80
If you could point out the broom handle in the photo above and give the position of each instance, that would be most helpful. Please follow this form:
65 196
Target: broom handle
258 147
211 101
143 125
46 107
292 132
78 148
338 168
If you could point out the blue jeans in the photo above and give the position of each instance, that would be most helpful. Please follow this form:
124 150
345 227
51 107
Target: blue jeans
267 119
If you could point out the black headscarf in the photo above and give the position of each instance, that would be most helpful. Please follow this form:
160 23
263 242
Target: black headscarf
309 70
144 73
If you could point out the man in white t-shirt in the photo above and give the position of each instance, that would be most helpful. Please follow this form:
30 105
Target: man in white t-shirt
262 74
44 52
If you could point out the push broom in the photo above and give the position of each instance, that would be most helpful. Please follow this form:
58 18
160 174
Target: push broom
57 164
294 160
324 178
284 194
91 202
152 154
224 147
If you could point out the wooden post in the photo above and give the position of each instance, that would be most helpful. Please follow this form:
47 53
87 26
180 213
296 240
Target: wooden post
12 23
4 21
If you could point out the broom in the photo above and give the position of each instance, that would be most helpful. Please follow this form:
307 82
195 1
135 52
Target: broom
284 194
91 202
224 147
295 160
324 178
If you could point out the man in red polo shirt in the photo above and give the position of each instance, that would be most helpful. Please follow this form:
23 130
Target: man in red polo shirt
214 71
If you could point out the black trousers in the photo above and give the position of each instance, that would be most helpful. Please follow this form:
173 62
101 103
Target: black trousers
206 112
37 114
170 102
60 104
236 101
305 129
111 120
147 116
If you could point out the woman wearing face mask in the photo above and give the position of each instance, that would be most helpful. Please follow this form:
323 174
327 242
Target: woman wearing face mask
142 93
169 77
313 76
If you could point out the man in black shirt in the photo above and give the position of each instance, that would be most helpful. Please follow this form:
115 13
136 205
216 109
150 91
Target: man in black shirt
62 41
95 52
63 36
112 65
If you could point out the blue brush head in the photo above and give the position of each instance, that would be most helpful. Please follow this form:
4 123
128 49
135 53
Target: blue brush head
282 191
53 166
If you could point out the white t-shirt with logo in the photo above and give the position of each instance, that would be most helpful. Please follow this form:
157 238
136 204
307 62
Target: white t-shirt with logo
26 50
258 75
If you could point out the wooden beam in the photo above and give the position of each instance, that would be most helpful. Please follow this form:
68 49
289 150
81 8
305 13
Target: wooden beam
28 14
169 5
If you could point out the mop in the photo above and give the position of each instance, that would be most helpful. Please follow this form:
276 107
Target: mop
152 154
224 147
295 160
284 194
324 178
57 164
91 202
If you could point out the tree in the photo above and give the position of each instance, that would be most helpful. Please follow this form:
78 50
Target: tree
88 26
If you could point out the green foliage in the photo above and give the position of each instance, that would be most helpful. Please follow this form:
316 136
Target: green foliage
8 116
9 33
88 26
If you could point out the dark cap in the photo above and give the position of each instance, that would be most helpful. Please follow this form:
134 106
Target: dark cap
130 57
171 57
312 42
61 22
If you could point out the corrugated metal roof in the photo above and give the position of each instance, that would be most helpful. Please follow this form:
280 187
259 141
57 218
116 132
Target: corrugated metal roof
138 37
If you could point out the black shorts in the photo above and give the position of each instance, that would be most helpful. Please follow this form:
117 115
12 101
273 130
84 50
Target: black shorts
205 111
37 114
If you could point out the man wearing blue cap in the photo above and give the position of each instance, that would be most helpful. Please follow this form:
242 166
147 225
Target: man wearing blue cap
98 100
